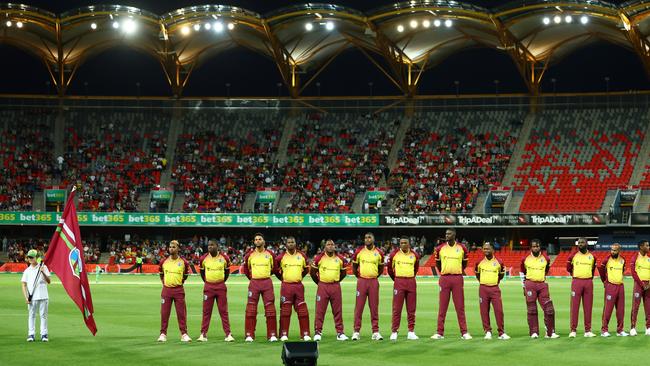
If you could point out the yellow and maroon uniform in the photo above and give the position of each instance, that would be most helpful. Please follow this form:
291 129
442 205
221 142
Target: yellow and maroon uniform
258 267
293 267
214 271
369 262
173 273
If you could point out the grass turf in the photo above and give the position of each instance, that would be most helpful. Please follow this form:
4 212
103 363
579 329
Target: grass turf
127 312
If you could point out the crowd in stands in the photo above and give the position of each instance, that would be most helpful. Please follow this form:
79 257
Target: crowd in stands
332 158
113 159
26 148
221 156
448 158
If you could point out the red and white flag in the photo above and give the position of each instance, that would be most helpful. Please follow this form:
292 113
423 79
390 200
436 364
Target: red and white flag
65 257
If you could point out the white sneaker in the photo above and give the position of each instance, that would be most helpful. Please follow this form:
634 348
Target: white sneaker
605 334
647 331
589 335
229 338
377 337
572 335
411 336
466 336
355 336
275 339
249 339
284 338
185 338
504 337
633 332
202 338
437 336
622 334
553 336
162 338
534 336
341 337
393 336
488 335
317 337
306 338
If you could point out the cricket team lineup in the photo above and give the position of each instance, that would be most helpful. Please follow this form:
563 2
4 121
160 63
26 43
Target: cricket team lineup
328 269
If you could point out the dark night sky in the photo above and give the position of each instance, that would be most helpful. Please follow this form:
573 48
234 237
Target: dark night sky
255 75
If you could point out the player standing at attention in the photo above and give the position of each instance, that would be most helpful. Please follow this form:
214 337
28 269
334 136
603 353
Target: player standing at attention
258 266
611 272
403 265
534 268
451 260
293 267
641 274
215 269
367 264
173 273
582 266
327 271
490 272
34 283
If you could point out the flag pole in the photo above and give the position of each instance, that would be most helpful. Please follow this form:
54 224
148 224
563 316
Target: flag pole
34 284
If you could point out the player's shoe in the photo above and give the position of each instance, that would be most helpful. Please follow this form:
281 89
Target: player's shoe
437 336
589 334
466 336
355 336
488 335
202 338
393 336
284 338
162 338
317 337
44 338
249 339
552 336
504 337
605 334
572 335
647 331
622 334
275 339
633 332
30 338
535 336
377 337
411 336
341 337
229 338
306 338
185 338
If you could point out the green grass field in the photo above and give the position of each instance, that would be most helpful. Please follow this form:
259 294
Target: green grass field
128 320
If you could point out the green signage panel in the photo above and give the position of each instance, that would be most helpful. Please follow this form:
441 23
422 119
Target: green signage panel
161 195
192 219
267 196
55 195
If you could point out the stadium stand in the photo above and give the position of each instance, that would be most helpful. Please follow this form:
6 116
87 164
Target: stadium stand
26 149
574 156
333 157
449 157
113 157
220 156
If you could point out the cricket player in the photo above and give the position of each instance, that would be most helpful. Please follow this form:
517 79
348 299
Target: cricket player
173 273
403 264
327 271
34 284
367 264
489 272
582 266
215 269
292 268
641 274
611 271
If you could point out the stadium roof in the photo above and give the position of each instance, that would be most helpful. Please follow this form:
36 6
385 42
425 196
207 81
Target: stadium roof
402 40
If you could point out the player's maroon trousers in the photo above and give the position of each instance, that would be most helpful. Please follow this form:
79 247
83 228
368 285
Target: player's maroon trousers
328 293
404 288
451 286
538 292
491 295
637 295
177 296
293 294
582 289
614 297
256 288
367 287
215 292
